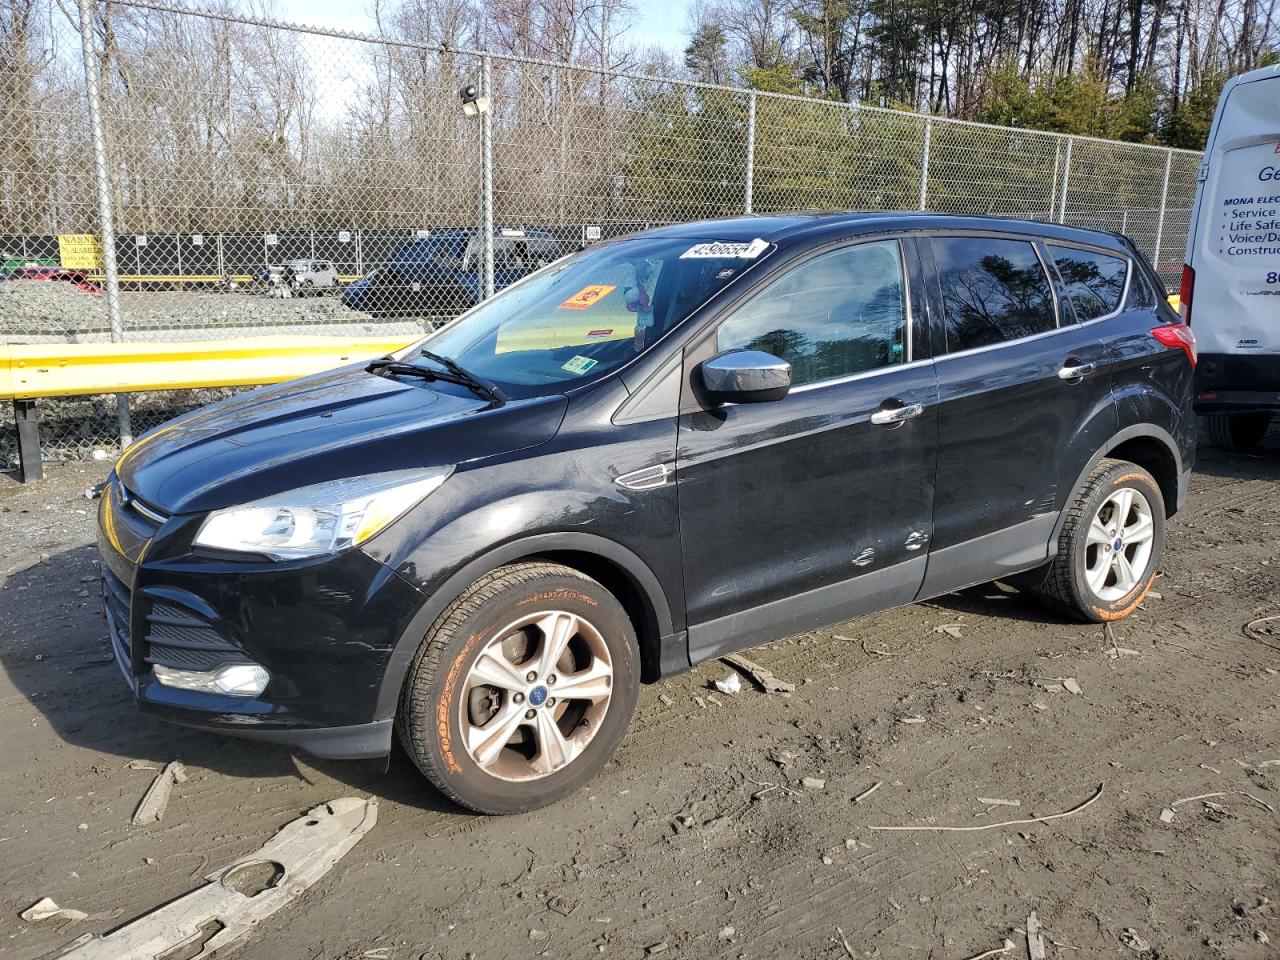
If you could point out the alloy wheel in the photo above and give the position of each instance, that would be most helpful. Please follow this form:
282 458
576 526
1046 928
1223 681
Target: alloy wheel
536 695
1118 547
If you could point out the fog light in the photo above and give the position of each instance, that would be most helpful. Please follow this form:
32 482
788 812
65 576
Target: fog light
236 679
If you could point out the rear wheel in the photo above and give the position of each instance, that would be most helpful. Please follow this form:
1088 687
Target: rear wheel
1238 432
1110 546
522 689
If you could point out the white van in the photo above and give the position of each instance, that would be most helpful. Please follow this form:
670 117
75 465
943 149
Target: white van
1232 271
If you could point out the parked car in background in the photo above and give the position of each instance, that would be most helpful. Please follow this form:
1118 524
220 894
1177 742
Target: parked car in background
663 449
1231 281
77 278
305 277
439 274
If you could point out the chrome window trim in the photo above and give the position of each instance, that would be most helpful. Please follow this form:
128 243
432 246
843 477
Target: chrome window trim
1128 278
862 375
1005 343
908 319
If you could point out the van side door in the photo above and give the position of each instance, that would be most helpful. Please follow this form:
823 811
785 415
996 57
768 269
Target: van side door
1021 384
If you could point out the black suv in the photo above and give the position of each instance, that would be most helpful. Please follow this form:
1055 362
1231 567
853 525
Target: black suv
657 451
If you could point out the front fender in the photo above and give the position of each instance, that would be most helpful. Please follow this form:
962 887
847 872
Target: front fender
639 572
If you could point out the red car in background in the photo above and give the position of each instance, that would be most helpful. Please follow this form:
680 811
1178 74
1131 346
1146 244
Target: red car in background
78 278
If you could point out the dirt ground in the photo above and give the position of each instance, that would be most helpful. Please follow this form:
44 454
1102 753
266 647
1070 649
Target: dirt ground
700 838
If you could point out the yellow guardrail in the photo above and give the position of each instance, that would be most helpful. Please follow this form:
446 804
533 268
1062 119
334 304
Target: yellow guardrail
31 371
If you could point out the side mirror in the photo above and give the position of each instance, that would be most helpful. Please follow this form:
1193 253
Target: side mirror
746 376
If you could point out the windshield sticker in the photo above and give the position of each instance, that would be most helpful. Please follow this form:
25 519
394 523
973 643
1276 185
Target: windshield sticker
587 296
721 251
579 365
597 334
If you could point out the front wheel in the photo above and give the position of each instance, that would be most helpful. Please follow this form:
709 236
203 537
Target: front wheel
1110 546
522 689
1238 432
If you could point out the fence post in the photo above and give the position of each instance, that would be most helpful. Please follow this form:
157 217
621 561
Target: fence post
924 162
749 186
486 174
106 204
1164 199
1066 182
1053 181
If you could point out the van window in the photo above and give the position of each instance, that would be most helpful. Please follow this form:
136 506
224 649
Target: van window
994 290
840 313
1094 281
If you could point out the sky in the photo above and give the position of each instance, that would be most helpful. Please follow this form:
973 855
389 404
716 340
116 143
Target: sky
659 23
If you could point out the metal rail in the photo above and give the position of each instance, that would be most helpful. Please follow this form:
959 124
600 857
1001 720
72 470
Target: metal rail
29 372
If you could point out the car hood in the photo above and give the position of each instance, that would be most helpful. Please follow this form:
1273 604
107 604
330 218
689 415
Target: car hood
343 423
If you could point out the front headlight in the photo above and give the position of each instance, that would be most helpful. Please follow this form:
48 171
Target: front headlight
319 519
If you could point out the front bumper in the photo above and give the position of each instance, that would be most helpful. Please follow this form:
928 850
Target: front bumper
324 629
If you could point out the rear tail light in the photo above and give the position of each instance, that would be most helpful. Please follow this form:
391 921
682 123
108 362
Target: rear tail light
1184 292
1178 335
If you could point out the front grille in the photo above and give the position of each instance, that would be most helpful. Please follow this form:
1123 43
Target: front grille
178 638
116 604
138 510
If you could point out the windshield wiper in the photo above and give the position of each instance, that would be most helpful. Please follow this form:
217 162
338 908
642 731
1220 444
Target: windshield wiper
453 373
482 386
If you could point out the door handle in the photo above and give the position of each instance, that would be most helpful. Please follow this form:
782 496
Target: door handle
1076 371
888 415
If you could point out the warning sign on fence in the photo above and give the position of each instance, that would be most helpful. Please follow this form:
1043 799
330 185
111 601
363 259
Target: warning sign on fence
82 251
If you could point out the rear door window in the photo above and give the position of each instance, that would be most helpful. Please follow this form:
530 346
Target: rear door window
994 290
1094 281
841 313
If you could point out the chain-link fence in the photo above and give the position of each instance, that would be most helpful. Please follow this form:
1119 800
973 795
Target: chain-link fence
271 178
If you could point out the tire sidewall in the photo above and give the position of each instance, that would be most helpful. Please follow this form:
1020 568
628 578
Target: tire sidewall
1117 477
444 739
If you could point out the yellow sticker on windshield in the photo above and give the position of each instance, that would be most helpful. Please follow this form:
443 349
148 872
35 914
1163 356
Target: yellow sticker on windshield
587 296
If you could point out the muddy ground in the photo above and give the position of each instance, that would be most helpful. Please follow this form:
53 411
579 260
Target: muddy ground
696 840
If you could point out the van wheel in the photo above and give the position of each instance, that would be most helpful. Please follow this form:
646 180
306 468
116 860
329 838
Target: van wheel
1238 432
522 689
1110 546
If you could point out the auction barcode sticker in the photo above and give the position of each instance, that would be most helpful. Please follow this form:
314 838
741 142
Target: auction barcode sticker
719 251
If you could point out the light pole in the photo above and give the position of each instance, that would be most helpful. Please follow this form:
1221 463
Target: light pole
475 103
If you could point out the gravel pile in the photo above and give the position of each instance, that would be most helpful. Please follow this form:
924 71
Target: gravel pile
35 311
42 308
53 312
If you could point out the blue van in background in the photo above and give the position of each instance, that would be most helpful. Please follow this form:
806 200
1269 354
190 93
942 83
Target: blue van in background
439 274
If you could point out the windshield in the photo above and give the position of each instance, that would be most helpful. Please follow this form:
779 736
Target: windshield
590 313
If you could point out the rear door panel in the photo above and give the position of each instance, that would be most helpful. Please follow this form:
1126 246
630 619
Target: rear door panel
1006 423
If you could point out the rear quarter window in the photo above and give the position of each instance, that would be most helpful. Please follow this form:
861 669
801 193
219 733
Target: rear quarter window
993 289
1094 281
